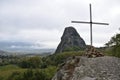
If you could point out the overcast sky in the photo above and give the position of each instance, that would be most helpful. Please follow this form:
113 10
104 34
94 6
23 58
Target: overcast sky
43 21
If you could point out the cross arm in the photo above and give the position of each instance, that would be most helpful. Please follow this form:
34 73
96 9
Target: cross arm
89 22
80 22
100 23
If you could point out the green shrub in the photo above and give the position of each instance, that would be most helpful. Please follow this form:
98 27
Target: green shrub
34 74
30 62
114 44
74 48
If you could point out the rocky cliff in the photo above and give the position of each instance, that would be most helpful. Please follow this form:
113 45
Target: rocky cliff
84 68
70 40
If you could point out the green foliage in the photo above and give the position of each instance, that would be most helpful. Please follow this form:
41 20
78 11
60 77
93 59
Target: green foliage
7 70
74 48
6 60
34 68
9 67
30 62
114 44
15 75
57 59
50 72
34 74
1 78
115 41
116 51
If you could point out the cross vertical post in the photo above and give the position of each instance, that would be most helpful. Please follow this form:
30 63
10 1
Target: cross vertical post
91 22
91 25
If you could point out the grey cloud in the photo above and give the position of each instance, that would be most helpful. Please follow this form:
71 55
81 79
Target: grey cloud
19 15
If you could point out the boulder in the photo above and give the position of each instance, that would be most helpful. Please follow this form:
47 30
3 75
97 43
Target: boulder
84 68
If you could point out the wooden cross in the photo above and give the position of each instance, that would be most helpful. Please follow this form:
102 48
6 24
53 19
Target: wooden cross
91 40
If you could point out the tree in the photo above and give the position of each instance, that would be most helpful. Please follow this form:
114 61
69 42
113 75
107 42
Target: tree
115 41
115 44
31 62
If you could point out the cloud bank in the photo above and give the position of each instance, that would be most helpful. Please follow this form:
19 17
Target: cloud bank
44 20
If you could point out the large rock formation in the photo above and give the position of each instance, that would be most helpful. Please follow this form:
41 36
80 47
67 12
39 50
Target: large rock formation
83 68
70 40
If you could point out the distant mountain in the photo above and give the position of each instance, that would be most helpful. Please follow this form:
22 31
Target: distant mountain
23 47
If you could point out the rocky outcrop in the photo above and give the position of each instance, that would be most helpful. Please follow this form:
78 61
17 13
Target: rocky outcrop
70 40
84 68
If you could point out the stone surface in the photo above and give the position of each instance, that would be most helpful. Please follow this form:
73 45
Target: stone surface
70 40
84 68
